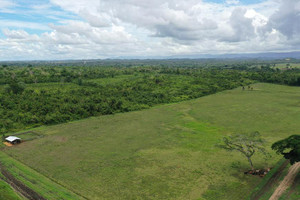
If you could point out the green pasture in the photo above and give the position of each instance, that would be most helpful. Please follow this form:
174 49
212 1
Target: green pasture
166 152
287 65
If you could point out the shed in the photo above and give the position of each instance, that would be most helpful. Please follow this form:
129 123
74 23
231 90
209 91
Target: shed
13 139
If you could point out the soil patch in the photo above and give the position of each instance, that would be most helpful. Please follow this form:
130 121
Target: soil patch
7 144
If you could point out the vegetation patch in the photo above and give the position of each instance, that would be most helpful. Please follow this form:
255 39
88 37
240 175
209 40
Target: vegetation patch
166 152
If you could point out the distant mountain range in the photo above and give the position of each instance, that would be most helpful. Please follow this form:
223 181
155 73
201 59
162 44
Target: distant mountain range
241 56
263 56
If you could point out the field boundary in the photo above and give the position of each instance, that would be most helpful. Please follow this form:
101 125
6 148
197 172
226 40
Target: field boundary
28 139
18 186
15 161
269 180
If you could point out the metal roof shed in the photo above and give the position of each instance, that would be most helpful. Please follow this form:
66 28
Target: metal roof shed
13 139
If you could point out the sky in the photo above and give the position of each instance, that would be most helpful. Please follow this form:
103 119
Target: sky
98 29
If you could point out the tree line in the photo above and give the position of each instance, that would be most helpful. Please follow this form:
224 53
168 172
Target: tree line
36 95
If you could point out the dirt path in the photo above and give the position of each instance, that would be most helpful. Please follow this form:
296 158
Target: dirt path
294 186
270 182
287 181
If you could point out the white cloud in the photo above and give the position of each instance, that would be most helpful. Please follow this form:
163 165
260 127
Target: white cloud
6 4
287 19
22 25
110 28
15 34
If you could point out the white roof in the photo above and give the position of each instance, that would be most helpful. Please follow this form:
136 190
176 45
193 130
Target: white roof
12 138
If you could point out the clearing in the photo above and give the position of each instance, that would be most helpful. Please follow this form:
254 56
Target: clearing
166 152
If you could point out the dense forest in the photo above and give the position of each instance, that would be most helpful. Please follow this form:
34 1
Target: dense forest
36 94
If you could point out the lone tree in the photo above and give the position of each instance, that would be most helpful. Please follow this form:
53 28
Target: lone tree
289 148
246 144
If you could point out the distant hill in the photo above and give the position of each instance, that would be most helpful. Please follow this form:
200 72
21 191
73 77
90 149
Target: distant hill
146 60
270 55
262 56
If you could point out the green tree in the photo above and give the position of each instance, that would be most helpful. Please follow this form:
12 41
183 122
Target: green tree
289 148
79 81
246 144
15 87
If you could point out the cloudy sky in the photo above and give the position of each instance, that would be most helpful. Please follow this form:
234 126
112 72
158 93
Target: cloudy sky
89 29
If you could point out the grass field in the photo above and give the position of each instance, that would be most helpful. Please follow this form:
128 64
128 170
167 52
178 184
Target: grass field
32 179
166 152
285 65
6 192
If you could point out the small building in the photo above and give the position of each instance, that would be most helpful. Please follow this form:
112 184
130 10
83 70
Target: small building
13 140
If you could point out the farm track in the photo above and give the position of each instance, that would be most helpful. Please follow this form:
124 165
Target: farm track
271 181
294 186
19 187
287 181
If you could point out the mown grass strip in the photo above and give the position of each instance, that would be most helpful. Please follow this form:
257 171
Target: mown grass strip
37 182
6 192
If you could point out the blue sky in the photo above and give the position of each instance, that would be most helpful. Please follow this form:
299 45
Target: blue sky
81 29
40 12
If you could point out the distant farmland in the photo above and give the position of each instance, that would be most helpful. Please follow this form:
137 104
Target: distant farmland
166 152
287 65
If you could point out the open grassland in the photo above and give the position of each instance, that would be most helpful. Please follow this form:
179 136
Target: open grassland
166 152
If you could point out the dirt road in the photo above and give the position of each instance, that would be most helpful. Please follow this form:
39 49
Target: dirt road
270 182
287 181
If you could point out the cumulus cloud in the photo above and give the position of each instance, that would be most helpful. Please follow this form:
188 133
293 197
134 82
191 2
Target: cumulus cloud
286 19
15 34
110 28
242 26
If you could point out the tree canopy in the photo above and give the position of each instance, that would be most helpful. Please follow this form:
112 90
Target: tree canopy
289 148
246 144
